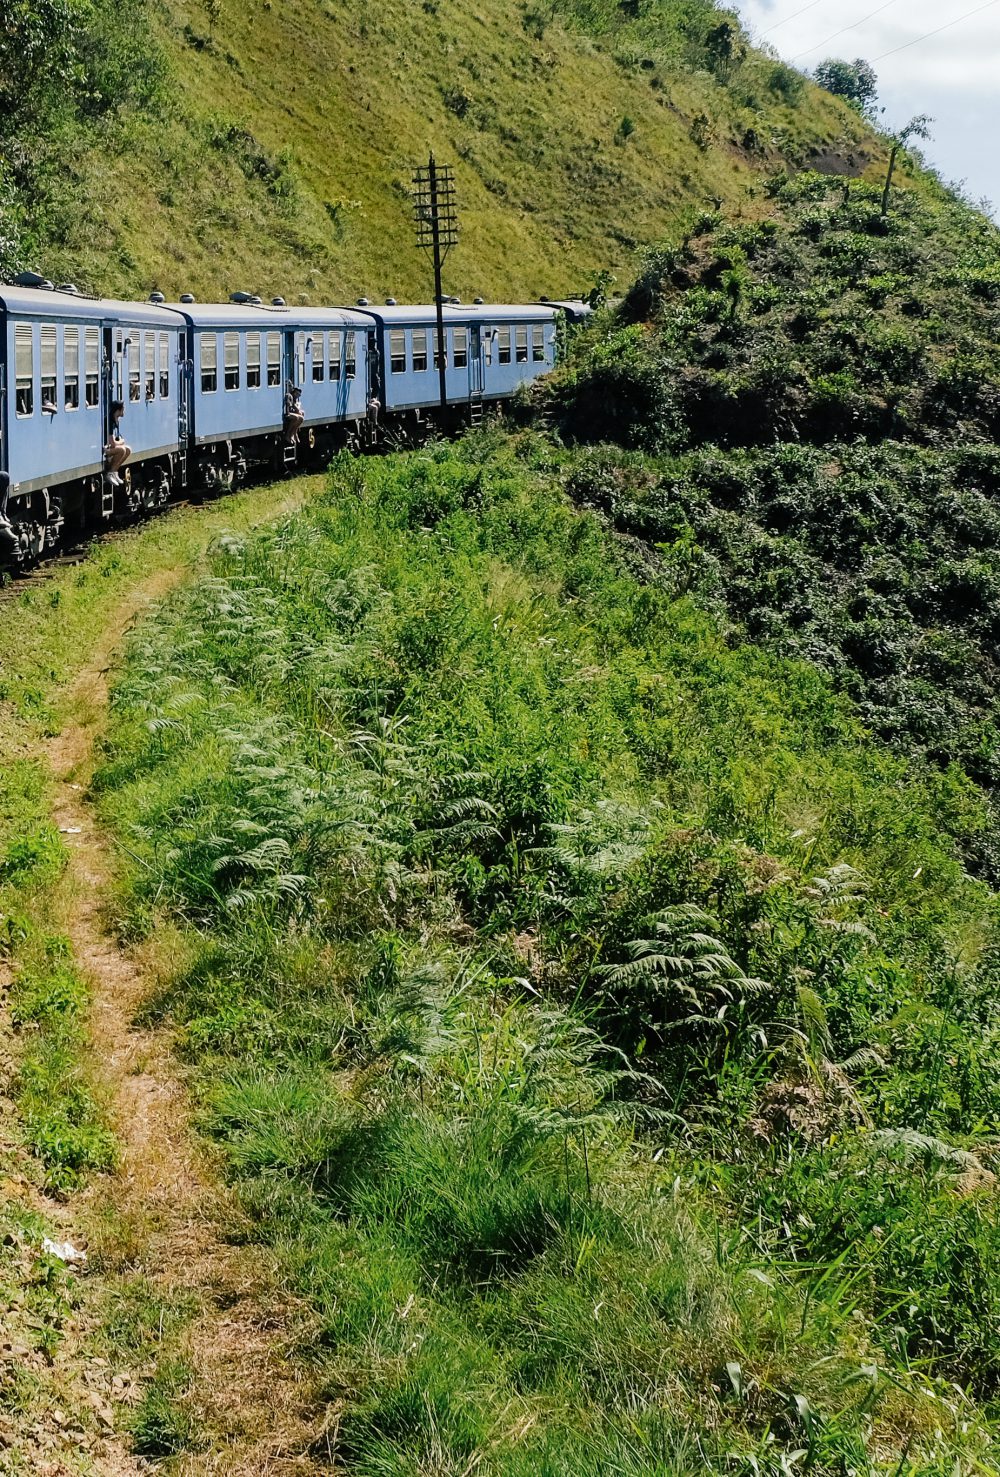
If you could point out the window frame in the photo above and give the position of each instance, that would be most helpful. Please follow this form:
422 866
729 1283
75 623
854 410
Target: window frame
538 343
133 367
418 355
460 347
163 364
71 367
504 350
253 351
334 354
208 363
351 354
149 364
91 375
521 343
24 384
435 339
231 371
318 365
273 360
48 365
397 351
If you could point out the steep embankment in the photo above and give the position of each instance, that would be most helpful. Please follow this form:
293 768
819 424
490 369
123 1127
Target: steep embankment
269 146
595 1023
803 412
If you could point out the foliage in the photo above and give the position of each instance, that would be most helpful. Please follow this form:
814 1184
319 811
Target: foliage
135 102
827 467
856 81
527 920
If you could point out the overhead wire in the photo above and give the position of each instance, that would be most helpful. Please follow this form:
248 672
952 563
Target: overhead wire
852 27
937 31
794 16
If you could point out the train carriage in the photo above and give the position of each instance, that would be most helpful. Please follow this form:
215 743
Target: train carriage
64 359
243 356
489 350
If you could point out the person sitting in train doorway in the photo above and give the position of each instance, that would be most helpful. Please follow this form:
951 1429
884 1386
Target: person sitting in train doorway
116 453
294 414
374 406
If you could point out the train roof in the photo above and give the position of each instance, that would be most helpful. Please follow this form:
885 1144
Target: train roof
574 306
403 313
46 302
263 315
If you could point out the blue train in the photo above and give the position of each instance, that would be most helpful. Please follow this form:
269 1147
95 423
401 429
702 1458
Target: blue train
204 390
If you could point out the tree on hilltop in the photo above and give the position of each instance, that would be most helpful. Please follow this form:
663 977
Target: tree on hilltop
854 81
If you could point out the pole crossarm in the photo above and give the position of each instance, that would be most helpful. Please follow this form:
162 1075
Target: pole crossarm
436 221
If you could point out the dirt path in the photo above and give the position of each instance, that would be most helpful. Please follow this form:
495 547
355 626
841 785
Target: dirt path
161 1217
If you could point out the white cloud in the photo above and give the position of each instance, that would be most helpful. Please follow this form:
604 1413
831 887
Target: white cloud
951 75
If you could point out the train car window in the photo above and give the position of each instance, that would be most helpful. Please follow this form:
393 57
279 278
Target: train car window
274 358
397 350
538 344
318 356
253 361
460 343
134 379
350 356
24 369
521 344
71 368
149 364
231 359
164 367
209 363
300 358
92 367
437 350
420 349
489 335
335 343
48 346
503 346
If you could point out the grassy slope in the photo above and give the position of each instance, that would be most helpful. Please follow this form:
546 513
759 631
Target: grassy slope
547 195
55 1134
410 775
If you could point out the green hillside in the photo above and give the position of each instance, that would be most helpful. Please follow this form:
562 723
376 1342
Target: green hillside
268 146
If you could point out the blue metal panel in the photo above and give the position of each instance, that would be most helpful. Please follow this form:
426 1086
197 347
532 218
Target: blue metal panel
483 372
50 447
303 345
46 448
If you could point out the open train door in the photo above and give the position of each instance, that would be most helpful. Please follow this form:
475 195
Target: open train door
477 374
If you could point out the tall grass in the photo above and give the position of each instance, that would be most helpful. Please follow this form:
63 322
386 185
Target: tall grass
540 954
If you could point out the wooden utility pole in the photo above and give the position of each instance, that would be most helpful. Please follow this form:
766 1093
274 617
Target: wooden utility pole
437 230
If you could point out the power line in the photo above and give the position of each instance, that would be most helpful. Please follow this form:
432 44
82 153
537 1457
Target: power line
853 27
936 32
795 13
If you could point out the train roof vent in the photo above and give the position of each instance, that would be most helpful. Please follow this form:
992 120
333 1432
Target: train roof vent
241 297
457 300
277 302
187 297
157 297
362 302
255 299
69 287
478 302
390 302
544 299
33 279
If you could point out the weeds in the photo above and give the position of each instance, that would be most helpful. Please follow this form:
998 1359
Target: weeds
539 951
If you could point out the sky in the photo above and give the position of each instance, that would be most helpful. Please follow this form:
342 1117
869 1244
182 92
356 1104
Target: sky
953 75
